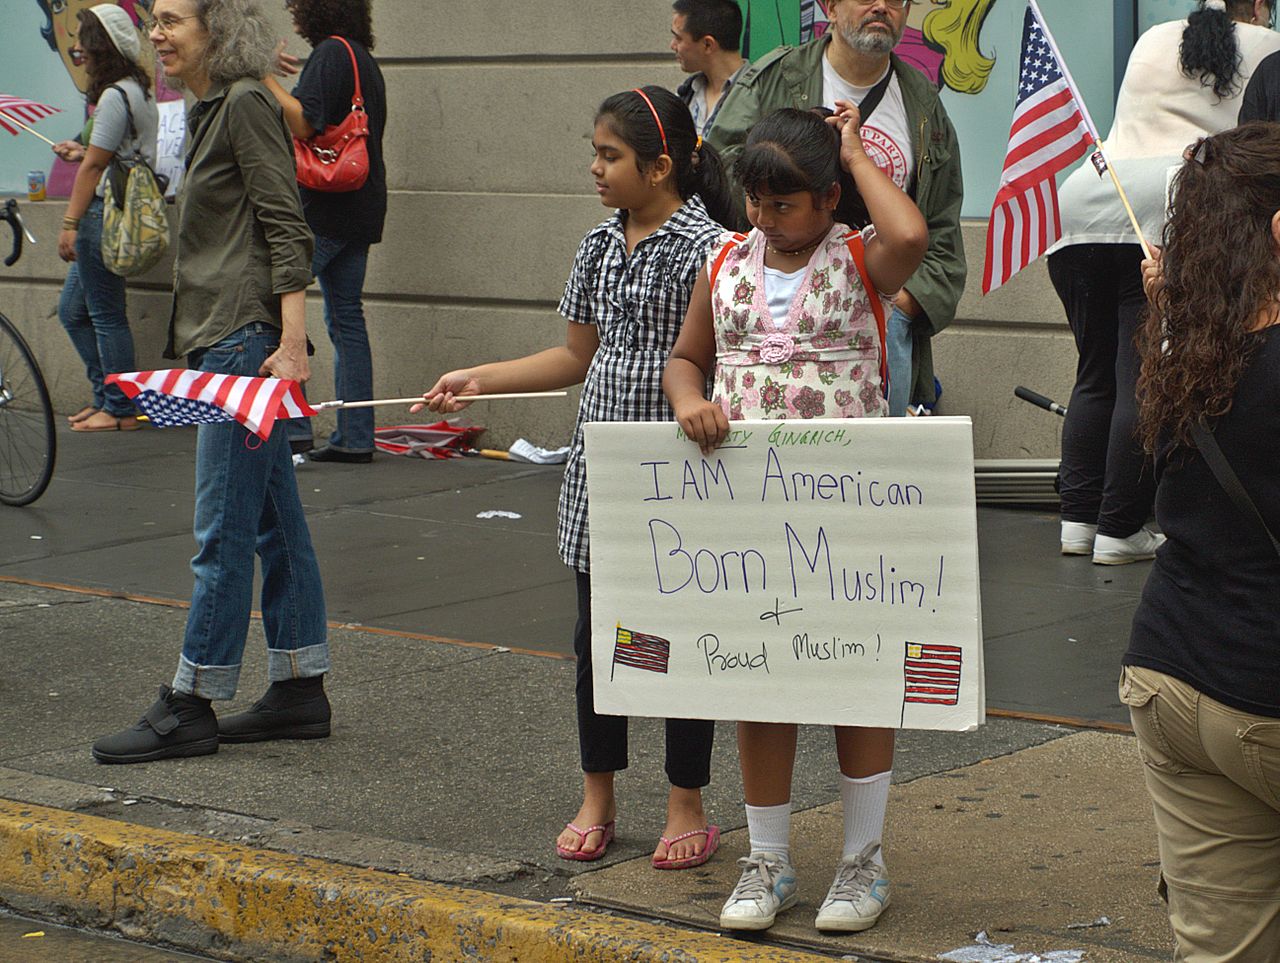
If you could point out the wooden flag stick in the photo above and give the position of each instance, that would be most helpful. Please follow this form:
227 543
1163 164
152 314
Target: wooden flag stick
417 400
1133 219
10 117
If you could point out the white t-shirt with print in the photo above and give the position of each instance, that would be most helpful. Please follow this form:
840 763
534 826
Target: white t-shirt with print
887 135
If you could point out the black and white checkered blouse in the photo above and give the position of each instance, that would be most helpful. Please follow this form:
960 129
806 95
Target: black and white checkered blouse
637 304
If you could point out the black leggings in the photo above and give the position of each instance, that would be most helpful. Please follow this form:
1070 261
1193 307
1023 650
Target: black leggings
602 740
1105 476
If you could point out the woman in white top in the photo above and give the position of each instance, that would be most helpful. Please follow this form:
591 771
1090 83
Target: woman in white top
92 306
1183 82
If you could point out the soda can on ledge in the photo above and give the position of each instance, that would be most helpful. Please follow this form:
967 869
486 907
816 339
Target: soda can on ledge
35 186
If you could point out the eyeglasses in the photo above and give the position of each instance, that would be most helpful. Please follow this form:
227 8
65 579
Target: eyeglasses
891 4
166 25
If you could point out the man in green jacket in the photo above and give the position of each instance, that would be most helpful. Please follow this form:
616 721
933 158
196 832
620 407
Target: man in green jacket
908 134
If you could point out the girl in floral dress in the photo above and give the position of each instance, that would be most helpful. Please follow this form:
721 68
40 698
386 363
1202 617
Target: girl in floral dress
789 321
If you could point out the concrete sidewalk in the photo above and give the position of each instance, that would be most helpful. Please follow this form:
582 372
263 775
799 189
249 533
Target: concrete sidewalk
453 759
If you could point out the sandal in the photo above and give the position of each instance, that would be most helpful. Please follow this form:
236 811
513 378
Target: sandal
582 834
86 412
713 843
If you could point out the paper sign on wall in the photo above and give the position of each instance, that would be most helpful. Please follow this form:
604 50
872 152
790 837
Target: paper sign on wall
814 572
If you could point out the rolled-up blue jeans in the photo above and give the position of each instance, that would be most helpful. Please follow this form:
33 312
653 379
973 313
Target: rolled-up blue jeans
247 503
92 309
340 266
898 348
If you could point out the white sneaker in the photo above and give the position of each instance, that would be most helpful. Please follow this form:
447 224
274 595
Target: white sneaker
857 897
1077 538
767 887
1138 547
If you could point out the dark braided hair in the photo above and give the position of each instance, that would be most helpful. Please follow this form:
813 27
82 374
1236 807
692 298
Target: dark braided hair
696 164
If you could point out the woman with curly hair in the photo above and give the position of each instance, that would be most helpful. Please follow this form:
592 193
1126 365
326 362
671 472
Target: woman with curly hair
345 224
239 297
92 305
1202 672
1184 80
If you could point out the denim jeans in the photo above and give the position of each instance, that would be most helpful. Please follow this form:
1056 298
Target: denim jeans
898 348
92 309
247 502
339 266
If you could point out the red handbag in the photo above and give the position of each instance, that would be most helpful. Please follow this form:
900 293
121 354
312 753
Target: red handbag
336 160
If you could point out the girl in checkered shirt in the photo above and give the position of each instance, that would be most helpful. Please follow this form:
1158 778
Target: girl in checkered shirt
789 320
625 300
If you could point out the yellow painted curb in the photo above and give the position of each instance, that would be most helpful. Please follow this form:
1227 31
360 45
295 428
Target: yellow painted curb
255 904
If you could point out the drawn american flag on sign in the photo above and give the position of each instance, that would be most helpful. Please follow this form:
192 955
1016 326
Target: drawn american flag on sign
177 397
27 111
640 651
931 674
1051 129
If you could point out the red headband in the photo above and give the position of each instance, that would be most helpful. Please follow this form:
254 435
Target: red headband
656 119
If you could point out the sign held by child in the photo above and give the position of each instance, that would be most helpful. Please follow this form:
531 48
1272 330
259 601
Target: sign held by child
805 571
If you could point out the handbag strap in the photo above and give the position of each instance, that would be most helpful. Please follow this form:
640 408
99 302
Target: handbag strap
857 251
128 110
357 99
1228 479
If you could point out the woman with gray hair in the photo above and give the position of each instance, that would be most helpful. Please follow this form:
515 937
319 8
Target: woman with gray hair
243 264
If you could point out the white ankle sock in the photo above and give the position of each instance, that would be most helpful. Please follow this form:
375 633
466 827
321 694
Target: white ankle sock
864 802
770 829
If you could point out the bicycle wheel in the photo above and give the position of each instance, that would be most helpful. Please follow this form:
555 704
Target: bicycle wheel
27 443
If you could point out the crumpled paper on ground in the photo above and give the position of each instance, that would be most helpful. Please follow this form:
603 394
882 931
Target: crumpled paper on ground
985 951
522 450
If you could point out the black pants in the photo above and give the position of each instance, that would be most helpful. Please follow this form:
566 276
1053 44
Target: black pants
603 739
1105 476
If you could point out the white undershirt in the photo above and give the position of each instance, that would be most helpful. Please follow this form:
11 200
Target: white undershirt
887 136
780 290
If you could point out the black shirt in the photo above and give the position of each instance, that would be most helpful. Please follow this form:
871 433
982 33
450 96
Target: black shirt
1210 612
324 89
1261 99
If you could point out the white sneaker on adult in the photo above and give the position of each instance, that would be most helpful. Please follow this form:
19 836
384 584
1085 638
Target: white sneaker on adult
1138 547
1077 538
857 897
766 888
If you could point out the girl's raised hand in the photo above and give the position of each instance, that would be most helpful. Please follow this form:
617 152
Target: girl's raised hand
848 120
704 422
448 394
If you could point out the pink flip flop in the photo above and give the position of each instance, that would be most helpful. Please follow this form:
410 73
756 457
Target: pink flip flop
590 855
713 843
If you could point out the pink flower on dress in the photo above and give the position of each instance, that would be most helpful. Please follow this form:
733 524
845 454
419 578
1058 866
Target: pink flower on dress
743 292
809 403
843 398
869 395
748 379
777 348
772 395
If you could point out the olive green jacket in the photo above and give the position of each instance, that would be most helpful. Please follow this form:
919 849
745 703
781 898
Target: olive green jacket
792 77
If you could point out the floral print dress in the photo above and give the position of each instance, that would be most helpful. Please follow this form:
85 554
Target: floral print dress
823 362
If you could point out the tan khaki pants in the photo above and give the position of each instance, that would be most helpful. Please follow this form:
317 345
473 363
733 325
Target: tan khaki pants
1214 777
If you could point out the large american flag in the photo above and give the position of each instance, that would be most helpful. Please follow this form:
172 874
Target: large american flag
931 674
1051 130
176 397
27 111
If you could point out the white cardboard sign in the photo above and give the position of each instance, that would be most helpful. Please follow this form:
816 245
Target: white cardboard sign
812 571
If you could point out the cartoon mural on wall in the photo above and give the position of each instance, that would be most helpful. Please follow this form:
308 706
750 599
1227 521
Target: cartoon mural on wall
942 38
25 70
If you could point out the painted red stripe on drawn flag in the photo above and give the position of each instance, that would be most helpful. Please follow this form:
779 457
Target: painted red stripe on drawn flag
1050 131
641 650
931 674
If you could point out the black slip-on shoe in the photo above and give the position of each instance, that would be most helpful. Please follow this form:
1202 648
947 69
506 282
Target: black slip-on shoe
329 453
176 725
292 709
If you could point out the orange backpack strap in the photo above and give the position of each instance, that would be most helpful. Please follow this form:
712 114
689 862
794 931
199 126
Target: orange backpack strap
858 250
724 253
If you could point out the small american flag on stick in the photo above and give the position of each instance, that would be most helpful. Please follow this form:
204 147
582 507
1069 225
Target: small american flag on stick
25 111
640 651
1051 130
176 397
931 674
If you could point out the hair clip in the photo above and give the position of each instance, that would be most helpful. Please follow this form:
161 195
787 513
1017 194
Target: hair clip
1201 152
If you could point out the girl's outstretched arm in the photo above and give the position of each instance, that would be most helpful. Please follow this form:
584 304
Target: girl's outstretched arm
556 367
691 362
902 236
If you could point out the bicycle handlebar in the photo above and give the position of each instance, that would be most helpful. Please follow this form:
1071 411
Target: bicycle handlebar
10 214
